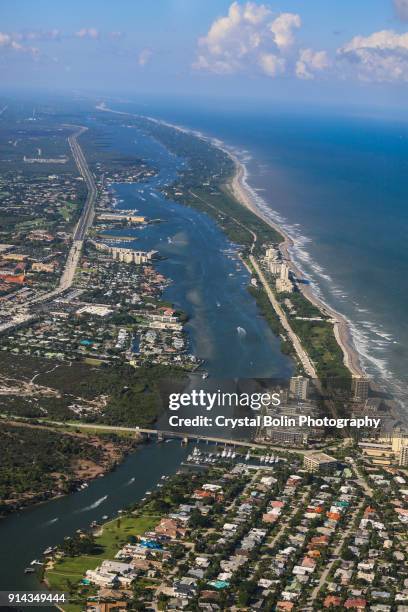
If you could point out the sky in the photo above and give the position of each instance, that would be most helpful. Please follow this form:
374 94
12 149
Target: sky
312 51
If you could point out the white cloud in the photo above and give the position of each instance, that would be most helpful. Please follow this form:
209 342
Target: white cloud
10 42
87 33
271 64
381 56
40 35
310 62
401 7
282 28
144 57
249 38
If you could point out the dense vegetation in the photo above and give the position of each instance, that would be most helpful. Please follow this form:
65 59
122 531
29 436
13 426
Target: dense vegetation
271 317
317 337
136 396
123 395
37 462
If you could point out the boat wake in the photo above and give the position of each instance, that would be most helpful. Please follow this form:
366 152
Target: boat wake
50 522
97 503
129 482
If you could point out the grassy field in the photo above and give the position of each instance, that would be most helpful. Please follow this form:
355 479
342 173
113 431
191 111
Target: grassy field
68 572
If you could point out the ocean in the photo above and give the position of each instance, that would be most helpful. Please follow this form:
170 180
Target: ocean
339 186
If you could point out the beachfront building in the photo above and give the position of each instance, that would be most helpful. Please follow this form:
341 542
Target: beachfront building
283 283
275 267
271 254
360 387
298 387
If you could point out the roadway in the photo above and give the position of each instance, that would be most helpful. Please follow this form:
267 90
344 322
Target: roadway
166 434
87 215
301 353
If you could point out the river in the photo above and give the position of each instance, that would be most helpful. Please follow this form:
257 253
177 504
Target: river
225 328
25 535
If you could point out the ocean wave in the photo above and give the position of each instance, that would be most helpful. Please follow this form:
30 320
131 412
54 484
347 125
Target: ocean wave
370 340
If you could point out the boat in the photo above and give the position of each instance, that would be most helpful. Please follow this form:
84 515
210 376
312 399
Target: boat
204 375
29 570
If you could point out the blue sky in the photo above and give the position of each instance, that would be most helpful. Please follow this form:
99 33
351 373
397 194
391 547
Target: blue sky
313 50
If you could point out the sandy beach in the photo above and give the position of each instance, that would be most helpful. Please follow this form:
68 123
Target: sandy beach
240 190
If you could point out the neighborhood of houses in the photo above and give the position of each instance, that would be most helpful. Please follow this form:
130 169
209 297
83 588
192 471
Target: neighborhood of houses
297 535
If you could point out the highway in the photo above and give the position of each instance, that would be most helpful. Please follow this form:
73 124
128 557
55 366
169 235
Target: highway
87 214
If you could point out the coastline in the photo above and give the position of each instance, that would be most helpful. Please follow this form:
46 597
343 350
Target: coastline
241 191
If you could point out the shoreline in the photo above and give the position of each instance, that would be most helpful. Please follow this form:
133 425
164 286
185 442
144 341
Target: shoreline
241 191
